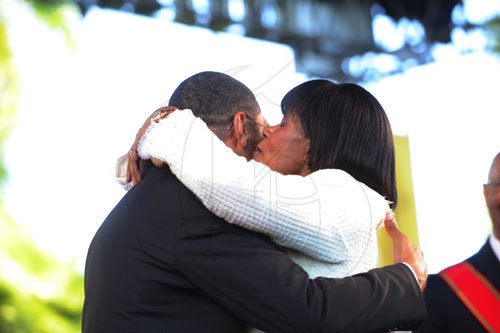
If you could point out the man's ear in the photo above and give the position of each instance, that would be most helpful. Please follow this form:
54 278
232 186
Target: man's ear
240 129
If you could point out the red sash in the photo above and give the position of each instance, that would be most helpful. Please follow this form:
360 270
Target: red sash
476 292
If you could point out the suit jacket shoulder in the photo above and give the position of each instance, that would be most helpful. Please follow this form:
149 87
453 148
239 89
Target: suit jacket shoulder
486 262
445 311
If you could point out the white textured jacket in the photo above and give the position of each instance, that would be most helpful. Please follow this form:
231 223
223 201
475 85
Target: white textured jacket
327 220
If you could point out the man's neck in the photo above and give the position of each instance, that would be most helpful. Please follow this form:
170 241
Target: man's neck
495 245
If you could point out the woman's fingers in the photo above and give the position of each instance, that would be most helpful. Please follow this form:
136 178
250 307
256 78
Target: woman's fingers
391 226
133 172
133 166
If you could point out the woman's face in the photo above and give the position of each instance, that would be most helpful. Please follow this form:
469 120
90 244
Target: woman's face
284 147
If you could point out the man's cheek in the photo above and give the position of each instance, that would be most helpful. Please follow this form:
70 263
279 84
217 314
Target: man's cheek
496 198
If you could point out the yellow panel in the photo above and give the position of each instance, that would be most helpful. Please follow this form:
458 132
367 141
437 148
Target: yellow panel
405 211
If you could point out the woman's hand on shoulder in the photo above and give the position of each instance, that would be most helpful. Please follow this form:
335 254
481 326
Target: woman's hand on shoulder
133 166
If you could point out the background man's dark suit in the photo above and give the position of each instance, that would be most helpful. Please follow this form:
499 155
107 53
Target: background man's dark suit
447 313
161 262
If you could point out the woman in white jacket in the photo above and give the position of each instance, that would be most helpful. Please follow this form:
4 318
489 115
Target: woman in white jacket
320 181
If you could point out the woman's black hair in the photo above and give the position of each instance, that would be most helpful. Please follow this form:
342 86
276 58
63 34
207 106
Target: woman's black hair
348 130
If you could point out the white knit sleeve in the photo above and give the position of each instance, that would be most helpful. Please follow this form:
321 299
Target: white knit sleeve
249 194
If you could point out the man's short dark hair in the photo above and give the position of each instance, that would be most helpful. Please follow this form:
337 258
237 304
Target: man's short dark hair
215 98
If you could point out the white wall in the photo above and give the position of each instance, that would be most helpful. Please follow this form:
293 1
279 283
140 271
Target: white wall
451 114
81 108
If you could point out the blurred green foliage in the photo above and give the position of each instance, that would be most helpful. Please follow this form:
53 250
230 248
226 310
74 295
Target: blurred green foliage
9 87
38 293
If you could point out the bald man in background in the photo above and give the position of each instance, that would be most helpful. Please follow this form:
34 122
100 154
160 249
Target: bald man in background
465 297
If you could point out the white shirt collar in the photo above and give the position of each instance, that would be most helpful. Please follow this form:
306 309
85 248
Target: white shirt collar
495 245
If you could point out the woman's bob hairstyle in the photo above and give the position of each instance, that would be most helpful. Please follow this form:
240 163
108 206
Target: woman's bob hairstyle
348 130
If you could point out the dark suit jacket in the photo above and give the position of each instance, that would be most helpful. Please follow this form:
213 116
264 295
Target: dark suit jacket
445 311
161 262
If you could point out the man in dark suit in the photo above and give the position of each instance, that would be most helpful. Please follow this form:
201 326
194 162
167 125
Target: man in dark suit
161 262
448 312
